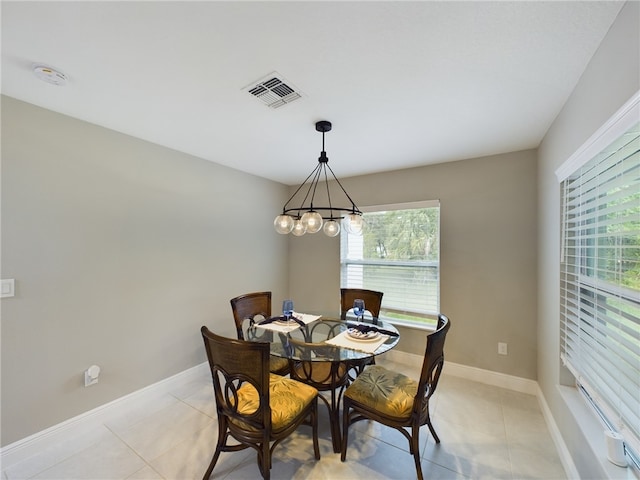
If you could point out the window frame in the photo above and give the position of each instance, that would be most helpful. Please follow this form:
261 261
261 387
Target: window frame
429 317
578 288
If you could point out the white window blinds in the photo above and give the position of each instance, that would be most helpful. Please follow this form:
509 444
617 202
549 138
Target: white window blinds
600 281
397 254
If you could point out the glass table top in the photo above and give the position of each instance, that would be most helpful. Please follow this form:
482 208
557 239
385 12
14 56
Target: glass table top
308 342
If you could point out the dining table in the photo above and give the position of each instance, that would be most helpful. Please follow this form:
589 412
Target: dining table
348 342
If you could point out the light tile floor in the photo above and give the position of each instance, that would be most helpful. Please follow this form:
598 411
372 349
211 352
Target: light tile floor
485 432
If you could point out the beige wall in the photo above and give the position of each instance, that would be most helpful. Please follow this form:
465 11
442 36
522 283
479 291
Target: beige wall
488 256
121 250
611 78
119 256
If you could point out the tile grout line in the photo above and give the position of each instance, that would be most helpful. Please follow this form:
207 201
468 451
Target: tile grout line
135 453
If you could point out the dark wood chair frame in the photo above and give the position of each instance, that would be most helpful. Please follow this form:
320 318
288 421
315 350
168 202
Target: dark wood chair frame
372 302
235 363
248 307
430 374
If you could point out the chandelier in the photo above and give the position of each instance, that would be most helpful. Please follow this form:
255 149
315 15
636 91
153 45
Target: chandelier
310 217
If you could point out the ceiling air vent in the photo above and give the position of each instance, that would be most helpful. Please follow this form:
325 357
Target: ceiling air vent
273 91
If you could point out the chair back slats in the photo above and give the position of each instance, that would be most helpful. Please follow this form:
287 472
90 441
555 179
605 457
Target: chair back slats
372 300
256 306
432 365
249 306
236 363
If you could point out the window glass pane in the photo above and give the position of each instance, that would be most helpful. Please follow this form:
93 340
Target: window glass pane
600 282
398 254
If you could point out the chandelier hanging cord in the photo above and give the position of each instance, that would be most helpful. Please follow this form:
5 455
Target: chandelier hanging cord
321 167
354 209
314 174
312 187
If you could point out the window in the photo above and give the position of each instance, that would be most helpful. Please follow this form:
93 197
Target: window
600 281
398 254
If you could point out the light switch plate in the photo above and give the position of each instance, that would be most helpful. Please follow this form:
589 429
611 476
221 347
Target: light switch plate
8 288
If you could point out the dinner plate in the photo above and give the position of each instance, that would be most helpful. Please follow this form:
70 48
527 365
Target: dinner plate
284 323
355 334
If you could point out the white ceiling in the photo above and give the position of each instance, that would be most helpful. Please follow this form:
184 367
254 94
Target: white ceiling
404 83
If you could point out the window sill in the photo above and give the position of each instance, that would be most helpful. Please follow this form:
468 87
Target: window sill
593 432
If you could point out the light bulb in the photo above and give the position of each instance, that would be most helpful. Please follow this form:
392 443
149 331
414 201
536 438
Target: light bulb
299 228
312 220
283 224
355 223
331 228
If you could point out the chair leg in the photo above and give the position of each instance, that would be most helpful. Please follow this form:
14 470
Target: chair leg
214 460
264 460
415 449
222 440
314 426
432 430
345 432
334 419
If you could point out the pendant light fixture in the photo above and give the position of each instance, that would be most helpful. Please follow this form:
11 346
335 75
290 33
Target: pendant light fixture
312 217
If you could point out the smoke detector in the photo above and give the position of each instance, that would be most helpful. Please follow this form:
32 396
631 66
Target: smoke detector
50 75
273 90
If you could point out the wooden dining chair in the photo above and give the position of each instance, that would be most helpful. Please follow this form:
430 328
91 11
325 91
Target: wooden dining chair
396 400
319 365
256 306
258 409
372 302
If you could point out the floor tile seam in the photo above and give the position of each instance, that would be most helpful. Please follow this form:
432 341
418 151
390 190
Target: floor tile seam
511 466
506 437
194 407
473 429
130 447
139 418
53 465
435 462
385 442
65 457
445 467
246 452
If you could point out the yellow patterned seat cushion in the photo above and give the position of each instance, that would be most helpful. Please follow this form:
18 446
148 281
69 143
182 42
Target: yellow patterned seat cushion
277 363
287 399
387 392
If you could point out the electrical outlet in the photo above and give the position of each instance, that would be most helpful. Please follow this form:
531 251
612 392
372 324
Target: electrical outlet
502 348
91 375
8 288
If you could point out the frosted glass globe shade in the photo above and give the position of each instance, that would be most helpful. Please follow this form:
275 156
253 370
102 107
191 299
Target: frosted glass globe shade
283 224
355 224
312 220
299 228
331 228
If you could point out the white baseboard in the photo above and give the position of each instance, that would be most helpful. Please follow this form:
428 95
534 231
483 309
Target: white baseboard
565 457
81 425
487 377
